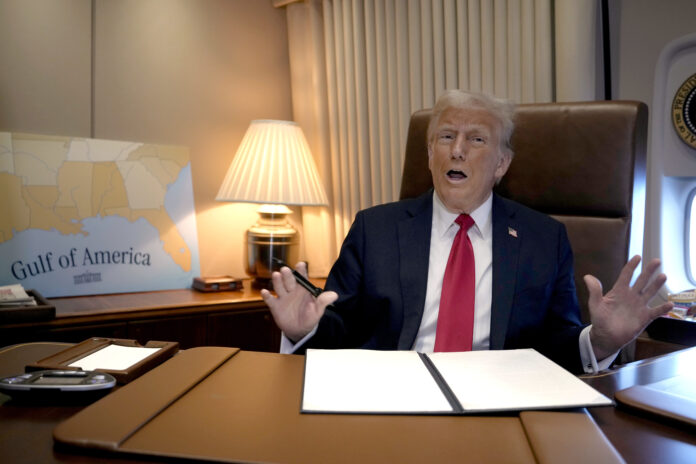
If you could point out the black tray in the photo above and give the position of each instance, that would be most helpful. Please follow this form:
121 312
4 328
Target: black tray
43 311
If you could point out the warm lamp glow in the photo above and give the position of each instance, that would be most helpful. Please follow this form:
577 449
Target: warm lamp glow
273 166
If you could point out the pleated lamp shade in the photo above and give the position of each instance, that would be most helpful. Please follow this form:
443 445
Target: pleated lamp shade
273 165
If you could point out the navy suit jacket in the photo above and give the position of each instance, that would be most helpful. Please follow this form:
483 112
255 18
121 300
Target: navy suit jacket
382 270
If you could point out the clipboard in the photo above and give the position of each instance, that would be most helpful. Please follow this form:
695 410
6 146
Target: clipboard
63 359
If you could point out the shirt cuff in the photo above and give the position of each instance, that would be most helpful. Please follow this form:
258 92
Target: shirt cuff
589 362
288 347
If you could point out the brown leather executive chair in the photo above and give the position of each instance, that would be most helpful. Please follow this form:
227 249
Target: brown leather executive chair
577 162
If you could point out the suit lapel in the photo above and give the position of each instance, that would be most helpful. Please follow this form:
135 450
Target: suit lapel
414 254
506 247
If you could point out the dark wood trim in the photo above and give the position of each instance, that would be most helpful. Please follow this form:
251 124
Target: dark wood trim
237 318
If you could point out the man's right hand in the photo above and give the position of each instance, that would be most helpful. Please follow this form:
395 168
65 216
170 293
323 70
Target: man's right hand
294 309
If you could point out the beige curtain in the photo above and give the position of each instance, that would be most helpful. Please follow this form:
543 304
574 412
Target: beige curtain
361 67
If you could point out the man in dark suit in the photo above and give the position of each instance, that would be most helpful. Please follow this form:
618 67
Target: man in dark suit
386 284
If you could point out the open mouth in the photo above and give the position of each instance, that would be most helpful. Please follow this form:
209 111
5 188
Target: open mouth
456 175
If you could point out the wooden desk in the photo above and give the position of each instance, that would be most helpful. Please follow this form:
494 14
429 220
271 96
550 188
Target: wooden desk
192 318
641 438
27 430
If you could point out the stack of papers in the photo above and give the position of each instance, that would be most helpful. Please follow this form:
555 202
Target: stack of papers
407 382
15 295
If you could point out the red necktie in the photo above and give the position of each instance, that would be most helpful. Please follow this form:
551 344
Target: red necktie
455 321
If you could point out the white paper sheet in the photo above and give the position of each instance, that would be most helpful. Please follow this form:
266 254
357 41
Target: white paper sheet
369 381
512 380
114 357
366 381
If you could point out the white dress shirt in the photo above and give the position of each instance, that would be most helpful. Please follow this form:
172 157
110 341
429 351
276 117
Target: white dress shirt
444 229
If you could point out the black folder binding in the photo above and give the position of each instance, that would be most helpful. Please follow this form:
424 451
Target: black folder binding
446 390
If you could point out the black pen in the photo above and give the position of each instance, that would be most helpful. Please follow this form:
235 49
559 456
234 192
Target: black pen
302 280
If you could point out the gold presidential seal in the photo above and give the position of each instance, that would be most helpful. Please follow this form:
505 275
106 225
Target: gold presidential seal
684 111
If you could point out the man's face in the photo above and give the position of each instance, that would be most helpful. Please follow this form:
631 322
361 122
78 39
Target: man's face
465 158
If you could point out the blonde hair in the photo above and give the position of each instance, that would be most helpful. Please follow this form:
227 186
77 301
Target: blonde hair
502 110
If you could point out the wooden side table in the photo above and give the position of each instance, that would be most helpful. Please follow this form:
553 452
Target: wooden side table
237 318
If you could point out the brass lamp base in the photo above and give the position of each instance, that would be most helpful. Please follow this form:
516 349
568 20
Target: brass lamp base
271 237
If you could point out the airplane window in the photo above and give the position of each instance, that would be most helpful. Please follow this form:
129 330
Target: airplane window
691 237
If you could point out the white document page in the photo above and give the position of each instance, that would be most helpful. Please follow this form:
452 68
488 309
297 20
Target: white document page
114 357
370 381
512 380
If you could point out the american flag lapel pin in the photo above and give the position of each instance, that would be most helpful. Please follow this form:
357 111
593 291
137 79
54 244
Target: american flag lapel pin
512 232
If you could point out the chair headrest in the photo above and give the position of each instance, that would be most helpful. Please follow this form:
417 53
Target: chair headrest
570 158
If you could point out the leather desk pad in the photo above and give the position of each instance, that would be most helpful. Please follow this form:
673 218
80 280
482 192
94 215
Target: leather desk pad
227 405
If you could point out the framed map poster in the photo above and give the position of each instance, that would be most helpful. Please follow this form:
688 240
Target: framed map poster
86 216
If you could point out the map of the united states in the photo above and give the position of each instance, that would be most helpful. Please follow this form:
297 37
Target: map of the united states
56 185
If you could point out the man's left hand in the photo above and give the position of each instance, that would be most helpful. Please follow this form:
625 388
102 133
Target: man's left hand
623 313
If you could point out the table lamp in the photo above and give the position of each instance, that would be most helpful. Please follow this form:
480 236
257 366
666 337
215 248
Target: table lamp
274 167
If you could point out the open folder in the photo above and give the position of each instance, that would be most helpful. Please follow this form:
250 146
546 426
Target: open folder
408 382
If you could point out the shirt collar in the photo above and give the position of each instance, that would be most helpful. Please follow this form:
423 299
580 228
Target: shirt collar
443 219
